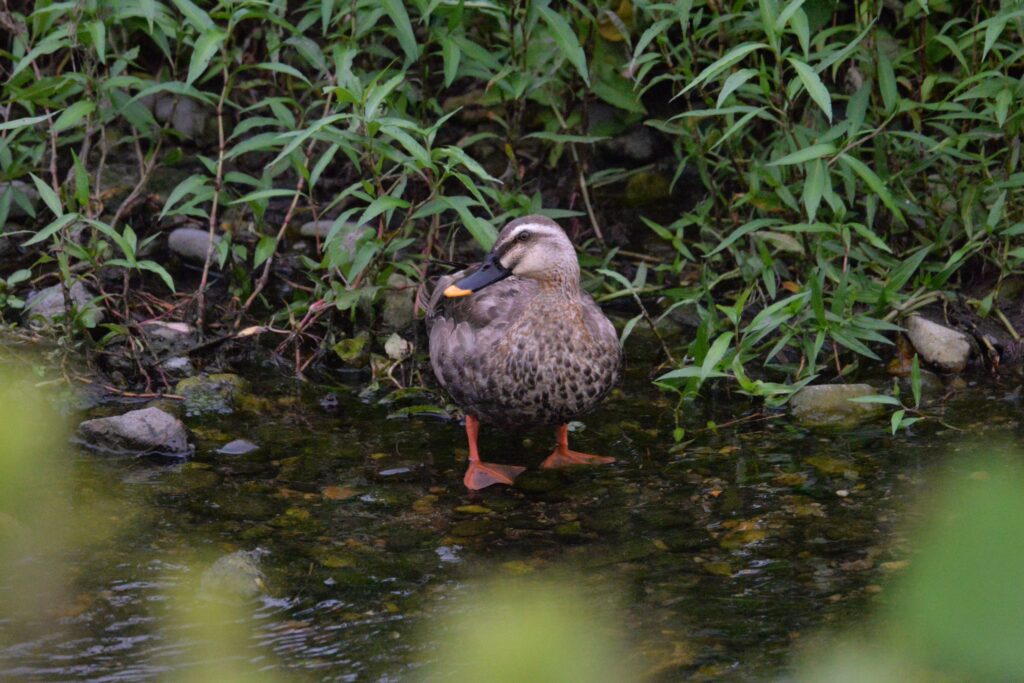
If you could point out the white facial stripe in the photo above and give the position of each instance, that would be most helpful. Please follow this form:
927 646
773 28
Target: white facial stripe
536 228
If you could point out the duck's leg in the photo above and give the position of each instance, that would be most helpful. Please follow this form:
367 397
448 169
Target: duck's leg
563 457
479 474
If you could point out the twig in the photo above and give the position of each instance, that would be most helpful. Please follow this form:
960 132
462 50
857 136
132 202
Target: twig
299 187
582 181
217 186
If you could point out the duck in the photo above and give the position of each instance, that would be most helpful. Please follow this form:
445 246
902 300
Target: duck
516 342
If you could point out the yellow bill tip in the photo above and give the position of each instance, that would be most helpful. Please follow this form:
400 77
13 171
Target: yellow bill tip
453 290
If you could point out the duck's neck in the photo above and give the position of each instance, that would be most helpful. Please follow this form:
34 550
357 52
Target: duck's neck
564 283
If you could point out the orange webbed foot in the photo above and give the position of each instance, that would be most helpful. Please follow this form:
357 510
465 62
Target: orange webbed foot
563 456
480 475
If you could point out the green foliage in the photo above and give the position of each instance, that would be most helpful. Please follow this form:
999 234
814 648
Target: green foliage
850 161
856 159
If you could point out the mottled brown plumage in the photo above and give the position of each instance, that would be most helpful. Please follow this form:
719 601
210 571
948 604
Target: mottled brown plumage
530 349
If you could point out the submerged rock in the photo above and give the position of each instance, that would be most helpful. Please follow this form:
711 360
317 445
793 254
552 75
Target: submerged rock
943 347
829 405
238 447
235 577
149 431
207 394
191 243
47 305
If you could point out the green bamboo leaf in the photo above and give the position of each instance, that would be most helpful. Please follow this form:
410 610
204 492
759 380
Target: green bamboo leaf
992 33
72 115
284 69
98 33
786 13
264 248
156 268
451 54
733 82
715 355
722 63
876 399
1003 100
199 19
887 82
814 188
395 9
48 196
566 40
815 88
187 186
873 182
264 194
207 45
21 123
806 154
52 229
896 420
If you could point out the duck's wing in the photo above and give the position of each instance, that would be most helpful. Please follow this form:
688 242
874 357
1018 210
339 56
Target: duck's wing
604 333
465 332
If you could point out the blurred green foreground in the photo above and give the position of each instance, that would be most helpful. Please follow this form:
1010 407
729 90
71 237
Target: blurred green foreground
957 614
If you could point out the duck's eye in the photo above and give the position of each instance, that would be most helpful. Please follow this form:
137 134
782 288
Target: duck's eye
523 236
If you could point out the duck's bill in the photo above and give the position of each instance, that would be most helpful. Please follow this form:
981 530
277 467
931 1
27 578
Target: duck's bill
490 271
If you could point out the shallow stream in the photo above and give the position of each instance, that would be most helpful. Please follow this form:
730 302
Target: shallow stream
724 554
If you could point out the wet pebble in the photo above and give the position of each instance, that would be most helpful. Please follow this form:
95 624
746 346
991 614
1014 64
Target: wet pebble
238 447
191 244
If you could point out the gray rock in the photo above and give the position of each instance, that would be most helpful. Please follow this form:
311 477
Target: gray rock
47 305
316 229
149 431
169 337
639 145
24 196
234 577
399 299
829 405
191 243
238 447
348 233
945 348
178 367
187 116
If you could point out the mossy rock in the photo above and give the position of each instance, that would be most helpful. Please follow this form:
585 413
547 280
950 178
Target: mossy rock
217 394
830 405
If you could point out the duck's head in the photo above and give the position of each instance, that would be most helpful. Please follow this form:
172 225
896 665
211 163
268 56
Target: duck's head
533 247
